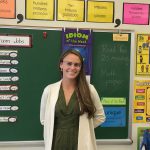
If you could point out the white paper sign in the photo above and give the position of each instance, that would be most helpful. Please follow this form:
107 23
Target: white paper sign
8 87
15 40
9 78
8 70
8 62
11 53
6 108
8 119
8 97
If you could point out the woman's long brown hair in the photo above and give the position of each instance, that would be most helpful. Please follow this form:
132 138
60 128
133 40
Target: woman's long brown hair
82 89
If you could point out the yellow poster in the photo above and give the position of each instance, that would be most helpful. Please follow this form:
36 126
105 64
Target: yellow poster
142 54
141 105
100 11
70 10
40 9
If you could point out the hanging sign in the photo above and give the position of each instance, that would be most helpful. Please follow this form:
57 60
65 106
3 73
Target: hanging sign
8 119
135 13
8 87
6 108
41 10
8 9
100 11
81 41
8 97
143 54
11 53
70 10
141 101
15 40
115 117
8 70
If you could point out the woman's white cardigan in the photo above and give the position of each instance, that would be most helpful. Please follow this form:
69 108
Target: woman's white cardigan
86 136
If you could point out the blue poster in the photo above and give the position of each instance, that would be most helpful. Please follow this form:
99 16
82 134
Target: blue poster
115 117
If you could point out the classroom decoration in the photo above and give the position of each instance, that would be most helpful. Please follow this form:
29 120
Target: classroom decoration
143 138
8 84
80 40
70 10
8 119
142 54
11 40
8 9
141 101
118 22
111 77
20 18
24 72
9 75
30 69
115 117
98 11
40 10
120 37
134 13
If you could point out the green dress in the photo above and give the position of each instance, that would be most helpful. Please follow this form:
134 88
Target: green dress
66 123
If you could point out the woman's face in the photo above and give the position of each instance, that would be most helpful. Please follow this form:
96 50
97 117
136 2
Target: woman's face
70 66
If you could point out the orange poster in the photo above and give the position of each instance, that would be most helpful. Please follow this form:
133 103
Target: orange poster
8 9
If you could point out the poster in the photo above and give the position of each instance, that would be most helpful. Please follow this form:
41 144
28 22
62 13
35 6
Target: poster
143 54
135 13
100 11
8 9
41 10
70 10
141 101
80 40
115 117
143 138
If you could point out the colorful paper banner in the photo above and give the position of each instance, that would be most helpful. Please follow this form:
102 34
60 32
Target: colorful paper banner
15 40
8 119
8 9
113 100
141 101
70 10
115 117
143 54
135 13
100 11
41 10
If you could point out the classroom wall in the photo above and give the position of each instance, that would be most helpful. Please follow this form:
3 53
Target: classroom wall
101 26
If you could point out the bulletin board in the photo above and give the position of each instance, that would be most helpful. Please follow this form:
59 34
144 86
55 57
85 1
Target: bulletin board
38 66
112 73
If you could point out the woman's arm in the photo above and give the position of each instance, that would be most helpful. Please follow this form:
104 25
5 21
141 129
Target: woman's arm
43 104
99 116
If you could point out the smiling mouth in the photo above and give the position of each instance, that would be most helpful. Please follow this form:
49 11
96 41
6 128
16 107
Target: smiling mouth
72 72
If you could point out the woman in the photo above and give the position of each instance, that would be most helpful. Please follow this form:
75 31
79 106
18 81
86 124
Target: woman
71 108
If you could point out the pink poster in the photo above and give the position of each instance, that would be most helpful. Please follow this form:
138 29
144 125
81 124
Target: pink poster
136 13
